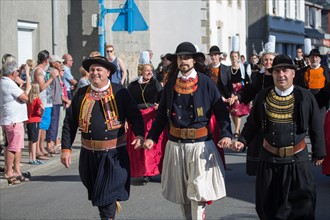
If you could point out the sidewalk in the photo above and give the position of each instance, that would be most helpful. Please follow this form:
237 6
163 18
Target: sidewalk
44 169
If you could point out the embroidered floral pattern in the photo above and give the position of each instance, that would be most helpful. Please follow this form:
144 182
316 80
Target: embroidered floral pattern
109 106
186 86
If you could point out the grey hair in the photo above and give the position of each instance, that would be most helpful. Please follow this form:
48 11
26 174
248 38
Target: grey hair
8 67
7 57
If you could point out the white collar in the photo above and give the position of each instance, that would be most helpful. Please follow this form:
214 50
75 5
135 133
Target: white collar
318 66
101 89
285 92
216 66
193 75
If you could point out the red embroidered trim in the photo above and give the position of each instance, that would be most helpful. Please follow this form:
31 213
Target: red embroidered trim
186 86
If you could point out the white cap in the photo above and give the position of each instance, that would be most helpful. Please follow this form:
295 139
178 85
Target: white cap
269 47
307 46
235 43
55 58
272 38
144 57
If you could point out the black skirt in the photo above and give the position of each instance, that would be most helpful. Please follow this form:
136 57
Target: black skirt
106 175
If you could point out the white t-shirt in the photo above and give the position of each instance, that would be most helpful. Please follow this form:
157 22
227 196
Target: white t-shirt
12 109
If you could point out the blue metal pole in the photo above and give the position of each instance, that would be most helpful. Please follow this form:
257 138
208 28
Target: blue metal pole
101 27
130 16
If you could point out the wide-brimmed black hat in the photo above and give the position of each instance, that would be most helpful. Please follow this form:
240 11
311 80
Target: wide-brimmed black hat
186 48
315 52
214 50
99 60
283 60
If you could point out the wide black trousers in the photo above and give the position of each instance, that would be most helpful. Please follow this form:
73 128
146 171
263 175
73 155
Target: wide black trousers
285 191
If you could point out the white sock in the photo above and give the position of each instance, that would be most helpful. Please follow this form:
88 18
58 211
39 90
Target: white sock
198 210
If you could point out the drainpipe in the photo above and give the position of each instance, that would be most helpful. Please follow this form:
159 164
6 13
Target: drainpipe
54 24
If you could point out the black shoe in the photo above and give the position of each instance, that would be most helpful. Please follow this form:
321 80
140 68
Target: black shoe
146 179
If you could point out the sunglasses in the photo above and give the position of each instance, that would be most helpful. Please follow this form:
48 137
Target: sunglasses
109 51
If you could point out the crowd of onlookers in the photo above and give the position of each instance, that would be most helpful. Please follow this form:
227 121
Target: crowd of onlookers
34 98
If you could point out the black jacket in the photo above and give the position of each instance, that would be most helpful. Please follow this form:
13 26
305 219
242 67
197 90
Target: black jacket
307 116
206 96
127 110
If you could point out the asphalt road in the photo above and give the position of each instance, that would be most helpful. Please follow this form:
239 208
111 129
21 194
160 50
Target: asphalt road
59 194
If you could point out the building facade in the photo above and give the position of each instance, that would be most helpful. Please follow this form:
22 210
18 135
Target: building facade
282 19
28 27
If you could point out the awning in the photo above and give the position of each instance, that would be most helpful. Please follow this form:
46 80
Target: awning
314 33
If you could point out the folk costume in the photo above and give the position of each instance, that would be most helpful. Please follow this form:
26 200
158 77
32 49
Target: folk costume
239 79
146 162
285 187
300 63
315 80
220 76
104 164
246 95
185 108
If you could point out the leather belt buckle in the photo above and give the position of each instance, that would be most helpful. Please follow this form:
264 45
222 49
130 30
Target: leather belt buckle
96 144
188 133
286 151
191 133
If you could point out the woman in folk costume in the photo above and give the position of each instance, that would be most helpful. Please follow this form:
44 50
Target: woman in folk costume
146 91
262 80
238 79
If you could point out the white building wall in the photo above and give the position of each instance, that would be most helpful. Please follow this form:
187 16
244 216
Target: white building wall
173 22
232 20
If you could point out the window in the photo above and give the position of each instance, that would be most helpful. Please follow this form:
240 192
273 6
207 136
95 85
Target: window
307 16
274 5
311 16
24 41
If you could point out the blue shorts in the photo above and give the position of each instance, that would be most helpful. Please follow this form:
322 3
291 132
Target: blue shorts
46 119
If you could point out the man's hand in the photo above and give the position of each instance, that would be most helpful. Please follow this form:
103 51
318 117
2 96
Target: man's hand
54 73
137 142
66 158
148 143
237 146
224 142
318 162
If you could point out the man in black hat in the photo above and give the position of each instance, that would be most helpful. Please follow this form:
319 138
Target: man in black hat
163 68
220 71
192 172
284 113
315 77
100 111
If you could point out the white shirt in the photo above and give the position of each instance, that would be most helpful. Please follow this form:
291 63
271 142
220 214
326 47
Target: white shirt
285 92
12 109
193 75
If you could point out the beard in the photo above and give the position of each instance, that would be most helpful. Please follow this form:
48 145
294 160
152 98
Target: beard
185 69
